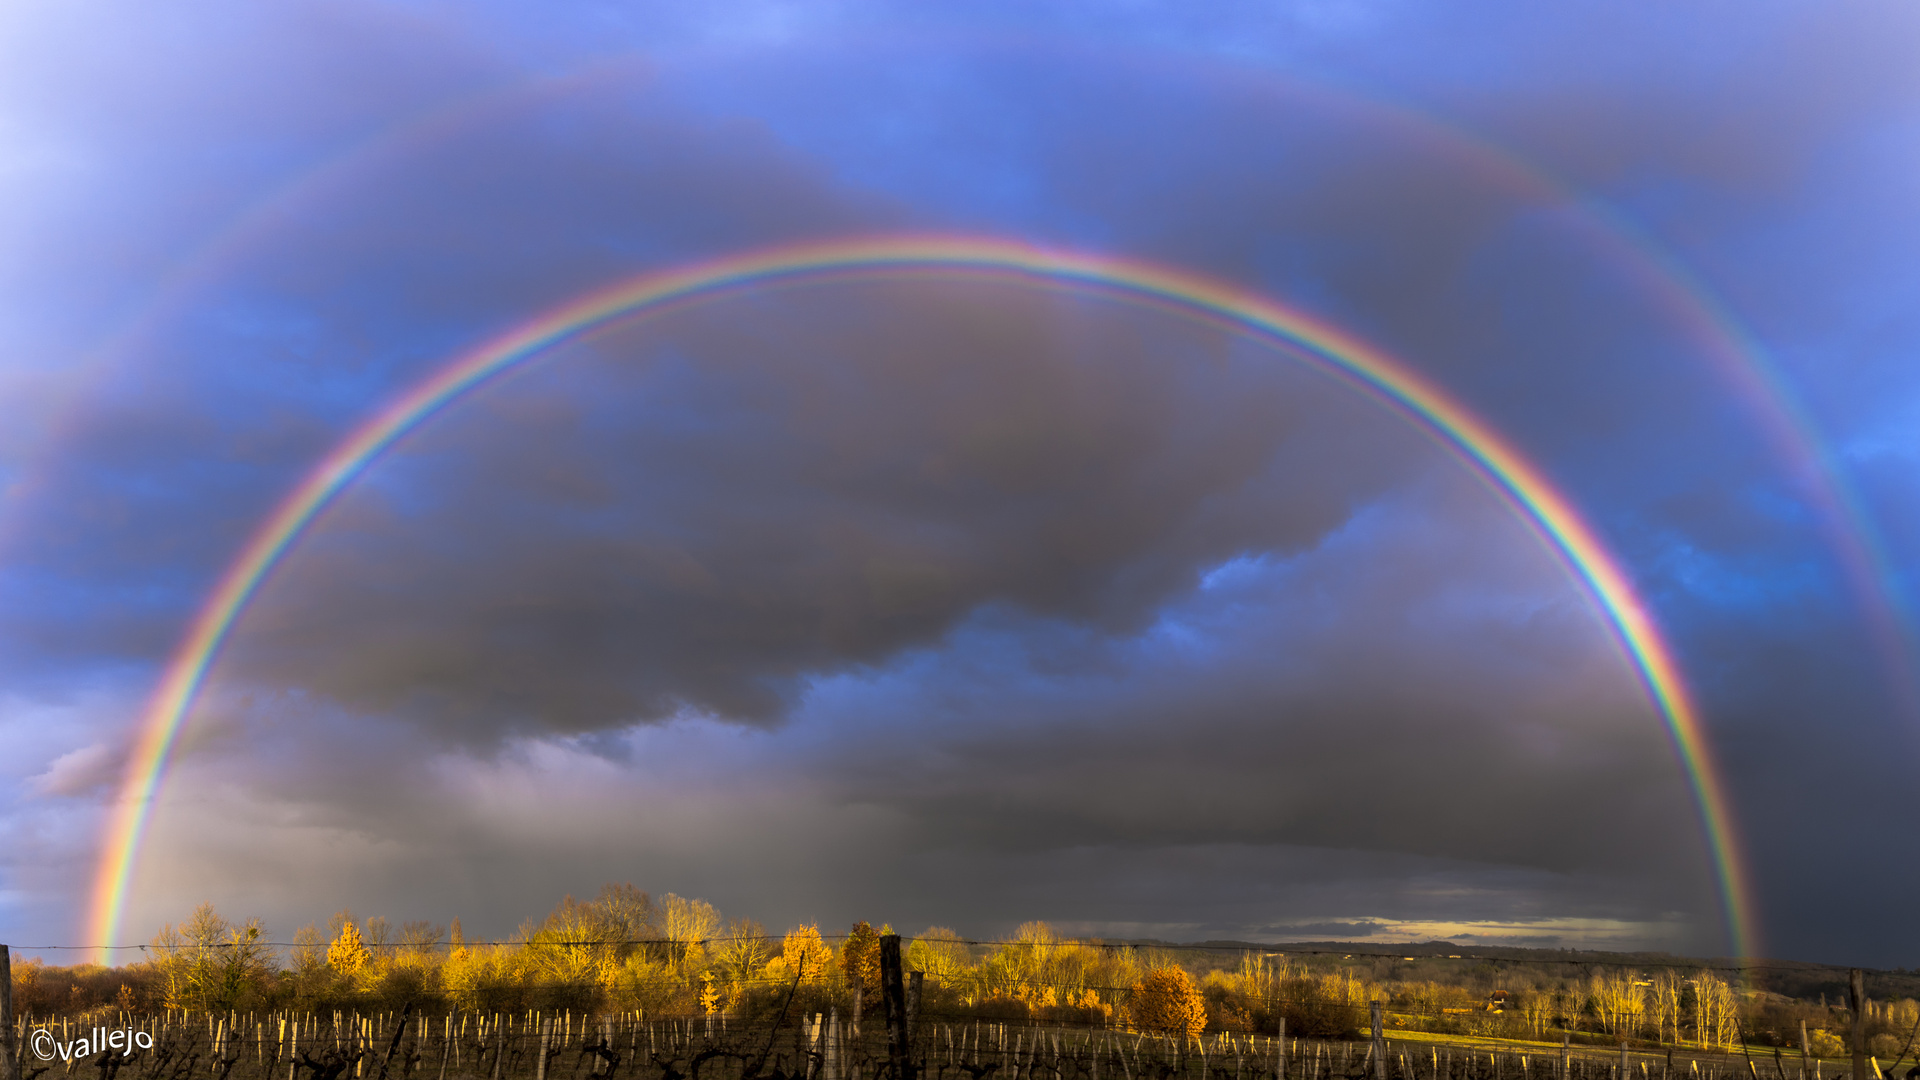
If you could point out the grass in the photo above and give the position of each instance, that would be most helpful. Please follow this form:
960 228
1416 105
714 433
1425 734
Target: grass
1762 1055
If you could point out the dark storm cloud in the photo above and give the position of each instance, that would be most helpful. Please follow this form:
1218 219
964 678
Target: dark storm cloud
1516 296
714 507
995 783
1410 718
1338 701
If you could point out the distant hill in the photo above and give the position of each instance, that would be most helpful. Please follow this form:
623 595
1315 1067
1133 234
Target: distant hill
1792 978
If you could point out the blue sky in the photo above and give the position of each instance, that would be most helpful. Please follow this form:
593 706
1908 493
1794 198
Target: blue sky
964 603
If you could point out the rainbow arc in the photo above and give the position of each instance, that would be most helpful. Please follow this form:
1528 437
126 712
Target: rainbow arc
1381 376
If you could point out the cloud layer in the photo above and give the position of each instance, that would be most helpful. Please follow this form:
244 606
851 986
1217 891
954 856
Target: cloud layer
951 600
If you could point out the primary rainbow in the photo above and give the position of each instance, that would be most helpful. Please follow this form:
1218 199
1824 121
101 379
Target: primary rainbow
1551 513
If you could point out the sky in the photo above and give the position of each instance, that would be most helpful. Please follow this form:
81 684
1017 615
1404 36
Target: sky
967 600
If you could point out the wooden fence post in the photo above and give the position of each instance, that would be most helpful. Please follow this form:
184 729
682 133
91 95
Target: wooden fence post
1379 1045
8 1067
833 1044
893 995
916 982
1857 1000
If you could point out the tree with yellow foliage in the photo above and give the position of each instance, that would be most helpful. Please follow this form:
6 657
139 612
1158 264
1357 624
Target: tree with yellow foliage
1824 1044
860 960
804 956
1022 969
577 950
347 954
940 953
1166 1001
1088 1002
486 977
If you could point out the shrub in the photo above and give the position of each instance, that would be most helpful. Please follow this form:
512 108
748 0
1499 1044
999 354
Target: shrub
1167 1001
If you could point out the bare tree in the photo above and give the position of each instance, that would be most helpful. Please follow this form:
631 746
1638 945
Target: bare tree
1715 1011
688 924
421 938
208 962
1668 993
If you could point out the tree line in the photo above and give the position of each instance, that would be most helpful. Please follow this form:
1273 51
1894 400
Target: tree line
624 951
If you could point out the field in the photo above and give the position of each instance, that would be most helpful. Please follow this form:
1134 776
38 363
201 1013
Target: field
577 1046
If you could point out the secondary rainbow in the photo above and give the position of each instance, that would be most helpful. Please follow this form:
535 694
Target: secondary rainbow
1844 519
1302 334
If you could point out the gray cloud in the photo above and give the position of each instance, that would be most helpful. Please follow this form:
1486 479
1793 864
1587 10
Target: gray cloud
710 509
339 292
85 771
1413 719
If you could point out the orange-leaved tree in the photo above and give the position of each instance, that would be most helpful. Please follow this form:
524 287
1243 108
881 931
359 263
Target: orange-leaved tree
1167 1001
804 956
